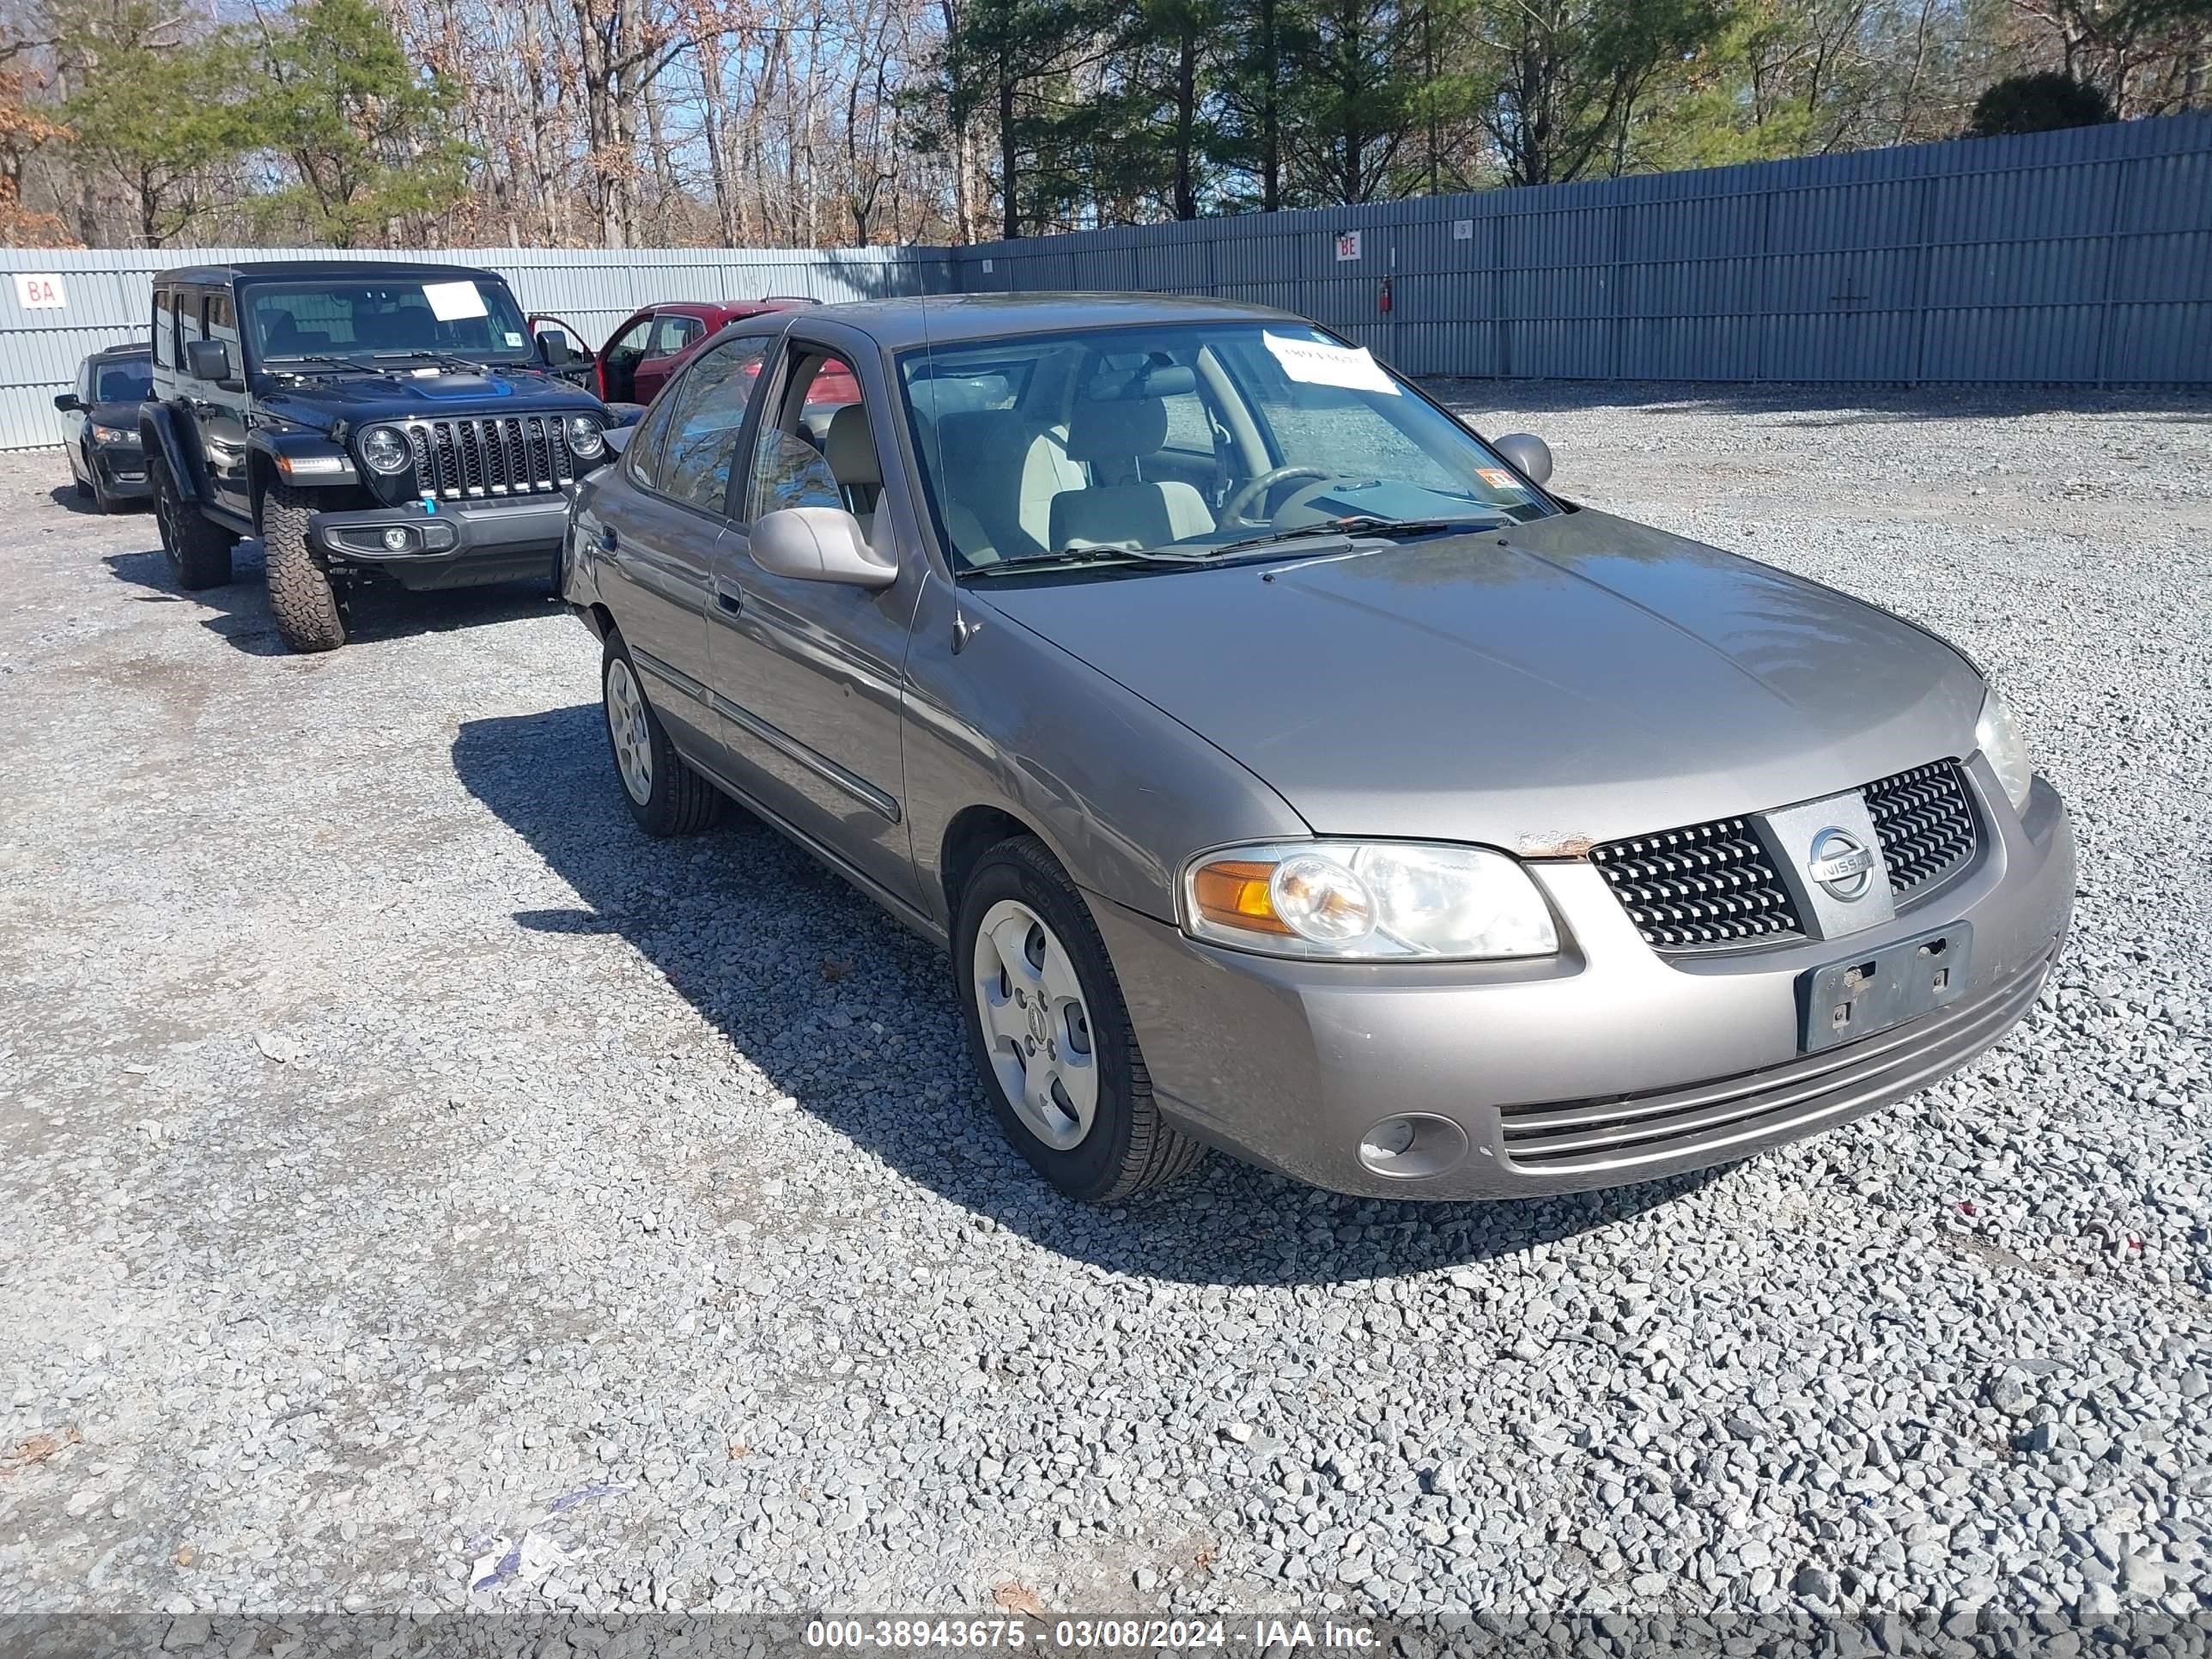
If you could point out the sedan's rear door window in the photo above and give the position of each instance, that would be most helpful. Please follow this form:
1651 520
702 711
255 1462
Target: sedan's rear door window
705 410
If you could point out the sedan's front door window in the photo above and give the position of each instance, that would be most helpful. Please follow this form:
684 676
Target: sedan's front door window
791 456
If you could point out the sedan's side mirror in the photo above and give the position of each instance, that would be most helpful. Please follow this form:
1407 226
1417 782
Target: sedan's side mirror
68 402
1528 452
208 360
818 544
554 348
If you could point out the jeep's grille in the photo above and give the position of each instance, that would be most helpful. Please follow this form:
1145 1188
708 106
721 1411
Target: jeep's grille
1704 885
497 455
1925 824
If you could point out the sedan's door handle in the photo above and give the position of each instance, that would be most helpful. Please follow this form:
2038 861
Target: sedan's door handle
730 599
609 541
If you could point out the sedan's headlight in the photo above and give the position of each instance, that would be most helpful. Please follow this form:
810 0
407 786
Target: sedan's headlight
1998 739
385 450
1367 901
110 435
586 441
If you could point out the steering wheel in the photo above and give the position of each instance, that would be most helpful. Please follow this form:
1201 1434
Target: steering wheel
1254 490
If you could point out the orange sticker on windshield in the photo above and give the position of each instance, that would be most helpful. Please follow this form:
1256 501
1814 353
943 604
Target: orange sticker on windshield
1496 477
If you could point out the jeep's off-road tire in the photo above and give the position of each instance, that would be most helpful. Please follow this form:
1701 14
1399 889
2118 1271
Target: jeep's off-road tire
301 595
666 796
198 552
1048 1029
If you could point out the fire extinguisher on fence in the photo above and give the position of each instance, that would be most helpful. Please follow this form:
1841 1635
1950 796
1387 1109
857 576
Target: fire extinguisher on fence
1383 303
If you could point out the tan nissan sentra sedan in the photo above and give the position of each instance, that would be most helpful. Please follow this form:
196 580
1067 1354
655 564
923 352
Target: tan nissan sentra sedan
1285 770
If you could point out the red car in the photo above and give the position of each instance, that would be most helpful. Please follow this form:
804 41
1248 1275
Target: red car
639 356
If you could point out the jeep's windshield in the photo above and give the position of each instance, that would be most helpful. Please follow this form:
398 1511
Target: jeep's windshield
1194 438
360 320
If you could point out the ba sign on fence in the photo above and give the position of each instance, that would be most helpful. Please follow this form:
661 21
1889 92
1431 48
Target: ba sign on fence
40 290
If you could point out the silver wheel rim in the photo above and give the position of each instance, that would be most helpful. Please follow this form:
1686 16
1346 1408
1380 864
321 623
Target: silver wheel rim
1037 1026
626 725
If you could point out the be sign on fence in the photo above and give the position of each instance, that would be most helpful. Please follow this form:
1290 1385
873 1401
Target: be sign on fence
40 290
1347 247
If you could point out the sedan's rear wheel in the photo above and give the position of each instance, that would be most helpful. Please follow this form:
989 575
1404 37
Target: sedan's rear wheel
666 796
1048 1029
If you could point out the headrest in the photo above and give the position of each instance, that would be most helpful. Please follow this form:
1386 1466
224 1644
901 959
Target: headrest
851 447
1151 380
1115 431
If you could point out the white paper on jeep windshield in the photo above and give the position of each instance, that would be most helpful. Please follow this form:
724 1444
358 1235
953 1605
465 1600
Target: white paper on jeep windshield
451 302
1318 363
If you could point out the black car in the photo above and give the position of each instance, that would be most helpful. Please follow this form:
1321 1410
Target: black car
366 419
105 456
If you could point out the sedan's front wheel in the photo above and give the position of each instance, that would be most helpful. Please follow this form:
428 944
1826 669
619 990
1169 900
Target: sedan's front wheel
666 796
1048 1029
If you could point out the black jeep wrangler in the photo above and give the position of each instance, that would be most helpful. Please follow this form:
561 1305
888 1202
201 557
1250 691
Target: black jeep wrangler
363 418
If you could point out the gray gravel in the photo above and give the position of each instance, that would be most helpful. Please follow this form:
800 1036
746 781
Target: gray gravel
419 1190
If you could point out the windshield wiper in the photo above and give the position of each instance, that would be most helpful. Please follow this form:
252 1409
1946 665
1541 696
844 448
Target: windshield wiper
1080 556
443 359
1363 524
343 365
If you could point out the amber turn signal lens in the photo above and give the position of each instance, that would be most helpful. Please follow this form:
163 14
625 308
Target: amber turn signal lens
1234 893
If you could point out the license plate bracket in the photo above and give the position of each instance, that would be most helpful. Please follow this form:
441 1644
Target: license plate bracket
1871 991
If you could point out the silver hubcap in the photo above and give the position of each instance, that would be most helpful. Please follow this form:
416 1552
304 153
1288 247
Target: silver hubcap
632 736
1036 1025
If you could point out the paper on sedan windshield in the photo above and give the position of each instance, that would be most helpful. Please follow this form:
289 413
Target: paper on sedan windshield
451 302
1318 363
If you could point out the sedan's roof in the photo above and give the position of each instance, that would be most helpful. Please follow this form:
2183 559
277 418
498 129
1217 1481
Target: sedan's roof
111 354
942 319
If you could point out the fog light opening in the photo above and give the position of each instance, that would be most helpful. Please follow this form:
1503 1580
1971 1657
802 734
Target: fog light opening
396 540
1412 1144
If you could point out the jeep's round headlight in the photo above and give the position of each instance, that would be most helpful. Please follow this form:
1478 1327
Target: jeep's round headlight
586 441
1998 737
385 450
1367 901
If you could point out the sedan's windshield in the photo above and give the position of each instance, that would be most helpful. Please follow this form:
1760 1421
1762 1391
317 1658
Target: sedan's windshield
1197 438
124 383
359 319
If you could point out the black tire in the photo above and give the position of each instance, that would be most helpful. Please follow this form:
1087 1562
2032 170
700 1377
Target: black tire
198 552
1129 1147
301 595
84 491
678 801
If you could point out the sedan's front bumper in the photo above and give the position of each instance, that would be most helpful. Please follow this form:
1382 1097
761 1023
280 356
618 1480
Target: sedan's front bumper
1606 1065
122 469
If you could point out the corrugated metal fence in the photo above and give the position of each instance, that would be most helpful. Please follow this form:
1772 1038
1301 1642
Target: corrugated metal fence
2080 257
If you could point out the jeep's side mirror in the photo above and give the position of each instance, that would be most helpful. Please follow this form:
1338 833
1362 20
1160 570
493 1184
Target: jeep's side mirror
553 348
818 544
1528 452
208 360
68 402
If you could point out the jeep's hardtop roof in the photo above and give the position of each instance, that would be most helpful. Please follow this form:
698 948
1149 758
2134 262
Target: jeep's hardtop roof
310 271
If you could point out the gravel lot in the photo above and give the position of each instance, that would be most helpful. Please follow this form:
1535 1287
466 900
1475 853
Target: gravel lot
417 1189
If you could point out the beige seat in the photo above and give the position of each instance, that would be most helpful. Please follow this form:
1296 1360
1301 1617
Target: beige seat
1000 475
849 446
1116 438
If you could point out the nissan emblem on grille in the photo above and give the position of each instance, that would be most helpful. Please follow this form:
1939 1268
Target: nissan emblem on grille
1842 866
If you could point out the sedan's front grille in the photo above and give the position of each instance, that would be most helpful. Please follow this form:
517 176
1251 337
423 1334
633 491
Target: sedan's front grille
497 455
1925 824
1704 1120
1706 885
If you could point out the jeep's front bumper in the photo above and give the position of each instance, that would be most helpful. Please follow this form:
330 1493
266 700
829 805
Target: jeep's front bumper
457 544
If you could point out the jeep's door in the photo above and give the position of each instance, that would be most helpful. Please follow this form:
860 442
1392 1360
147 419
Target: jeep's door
659 519
810 672
221 409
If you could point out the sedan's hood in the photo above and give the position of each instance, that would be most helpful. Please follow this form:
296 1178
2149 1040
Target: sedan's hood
1579 678
125 416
